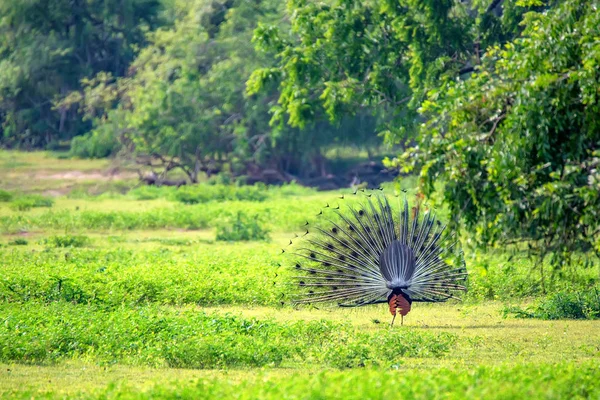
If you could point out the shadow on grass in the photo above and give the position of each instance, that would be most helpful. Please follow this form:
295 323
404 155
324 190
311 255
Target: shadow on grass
460 327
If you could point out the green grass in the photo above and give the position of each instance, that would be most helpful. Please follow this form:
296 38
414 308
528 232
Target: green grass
529 380
118 293
122 273
188 338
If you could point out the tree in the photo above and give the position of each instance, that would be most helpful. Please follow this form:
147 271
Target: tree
48 46
346 55
517 145
185 106
499 100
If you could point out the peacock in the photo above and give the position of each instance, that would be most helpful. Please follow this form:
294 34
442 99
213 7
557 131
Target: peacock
368 252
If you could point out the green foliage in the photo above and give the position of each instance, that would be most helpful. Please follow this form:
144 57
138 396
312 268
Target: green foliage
184 105
47 47
152 192
19 242
518 144
137 271
99 143
563 305
241 227
541 381
364 350
187 338
27 202
344 56
512 137
67 241
204 193
284 214
5 196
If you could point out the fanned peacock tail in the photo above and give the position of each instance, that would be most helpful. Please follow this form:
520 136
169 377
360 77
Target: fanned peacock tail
367 252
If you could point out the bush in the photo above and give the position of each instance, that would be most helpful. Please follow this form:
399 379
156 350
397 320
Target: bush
19 242
5 196
365 349
202 193
241 226
563 305
67 241
27 202
205 193
99 143
152 192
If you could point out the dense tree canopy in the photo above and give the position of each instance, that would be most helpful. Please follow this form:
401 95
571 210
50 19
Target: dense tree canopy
184 104
48 46
345 55
518 143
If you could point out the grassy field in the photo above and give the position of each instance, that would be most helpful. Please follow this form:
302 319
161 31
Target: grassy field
108 290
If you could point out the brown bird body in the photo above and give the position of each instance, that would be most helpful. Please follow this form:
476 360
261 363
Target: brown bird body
398 305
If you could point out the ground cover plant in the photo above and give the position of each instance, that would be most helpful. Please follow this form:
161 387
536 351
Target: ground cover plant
123 295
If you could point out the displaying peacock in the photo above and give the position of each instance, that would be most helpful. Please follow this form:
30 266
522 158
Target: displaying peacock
367 252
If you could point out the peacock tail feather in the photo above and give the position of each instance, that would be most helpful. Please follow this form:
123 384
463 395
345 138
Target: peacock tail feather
366 252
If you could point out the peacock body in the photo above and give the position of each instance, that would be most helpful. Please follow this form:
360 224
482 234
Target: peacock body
367 252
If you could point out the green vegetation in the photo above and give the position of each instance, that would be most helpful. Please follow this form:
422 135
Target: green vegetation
5 196
497 103
189 338
573 305
241 226
67 241
48 48
136 261
566 381
27 202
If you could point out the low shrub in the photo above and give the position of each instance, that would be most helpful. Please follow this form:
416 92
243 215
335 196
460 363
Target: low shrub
99 143
218 192
27 202
152 192
5 196
241 227
67 241
562 305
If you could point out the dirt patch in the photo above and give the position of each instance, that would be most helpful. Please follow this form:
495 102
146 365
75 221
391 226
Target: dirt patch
88 175
21 234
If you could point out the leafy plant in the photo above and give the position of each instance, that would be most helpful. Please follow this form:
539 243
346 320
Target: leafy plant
5 196
27 202
241 227
204 193
516 147
67 241
563 305
186 338
99 143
